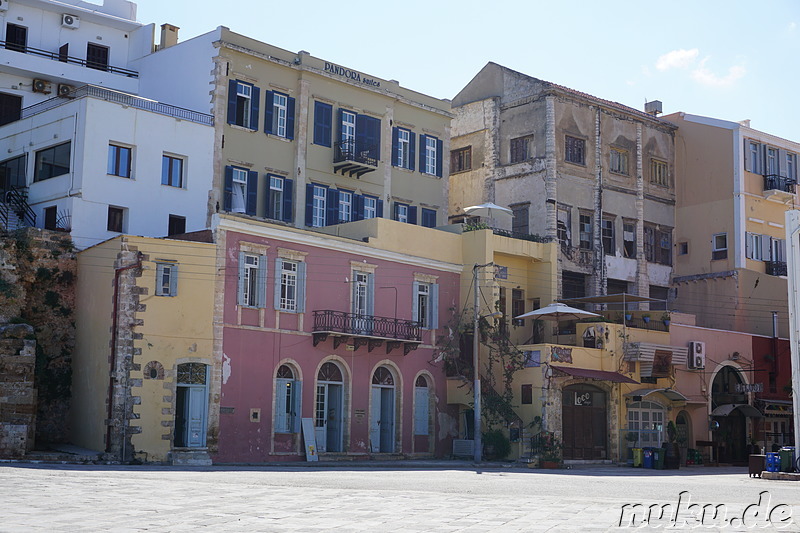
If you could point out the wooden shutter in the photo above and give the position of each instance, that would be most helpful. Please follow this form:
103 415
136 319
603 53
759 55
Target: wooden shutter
380 208
439 156
395 145
371 294
297 406
289 117
252 191
309 204
267 197
276 297
227 194
358 207
232 85
434 306
173 280
269 111
288 199
332 207
261 287
301 287
254 104
415 301
412 149
422 139
323 116
412 214
159 277
281 420
421 409
748 245
241 278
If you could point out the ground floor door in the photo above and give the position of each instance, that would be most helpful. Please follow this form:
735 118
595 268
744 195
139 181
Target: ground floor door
381 433
191 406
328 417
584 423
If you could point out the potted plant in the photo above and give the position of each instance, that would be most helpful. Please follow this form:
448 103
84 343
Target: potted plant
646 318
547 447
628 317
665 318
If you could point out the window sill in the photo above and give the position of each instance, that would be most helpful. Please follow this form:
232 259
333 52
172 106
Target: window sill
582 165
278 137
242 128
118 176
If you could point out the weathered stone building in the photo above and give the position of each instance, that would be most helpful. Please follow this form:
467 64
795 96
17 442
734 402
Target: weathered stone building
594 174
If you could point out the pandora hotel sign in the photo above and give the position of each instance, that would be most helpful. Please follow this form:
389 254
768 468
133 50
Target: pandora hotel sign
350 74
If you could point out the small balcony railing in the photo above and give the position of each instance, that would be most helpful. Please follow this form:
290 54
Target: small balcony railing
366 330
63 58
774 182
775 268
354 158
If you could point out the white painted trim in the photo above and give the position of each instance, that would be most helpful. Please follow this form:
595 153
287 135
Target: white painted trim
756 220
739 225
775 225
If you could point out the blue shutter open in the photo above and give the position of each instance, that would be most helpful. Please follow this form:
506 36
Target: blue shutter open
301 287
241 286
412 153
276 295
395 145
434 306
439 156
380 208
412 214
332 207
254 103
267 199
372 136
290 118
361 133
232 84
252 191
310 204
269 111
227 194
358 207
339 114
323 119
422 152
288 199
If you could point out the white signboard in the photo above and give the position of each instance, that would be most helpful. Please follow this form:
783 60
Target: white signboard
310 439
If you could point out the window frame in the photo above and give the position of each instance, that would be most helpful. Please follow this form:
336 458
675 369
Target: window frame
172 220
402 212
114 152
319 206
40 154
371 209
166 278
461 160
403 148
719 252
167 179
659 172
425 304
564 227
618 161
585 230
574 150
251 291
520 149
118 219
345 212
629 250
608 235
280 114
275 209
431 155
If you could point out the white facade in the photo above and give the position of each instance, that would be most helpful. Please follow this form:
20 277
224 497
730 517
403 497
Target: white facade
83 195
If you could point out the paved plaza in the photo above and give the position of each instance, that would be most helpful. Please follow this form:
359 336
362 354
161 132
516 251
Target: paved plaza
412 497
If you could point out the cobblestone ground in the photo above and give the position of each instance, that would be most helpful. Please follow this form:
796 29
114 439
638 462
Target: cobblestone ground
382 498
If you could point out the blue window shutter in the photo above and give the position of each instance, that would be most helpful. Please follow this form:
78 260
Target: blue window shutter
380 208
309 204
276 297
159 276
394 211
232 84
439 157
254 103
372 136
269 105
241 278
288 199
301 287
339 125
173 280
358 207
422 152
267 197
227 194
412 153
323 118
361 133
332 208
415 301
434 306
261 287
412 214
395 145
252 190
290 118
281 422
371 294
297 406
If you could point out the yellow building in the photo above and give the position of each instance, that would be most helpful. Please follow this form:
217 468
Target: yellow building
143 376
730 263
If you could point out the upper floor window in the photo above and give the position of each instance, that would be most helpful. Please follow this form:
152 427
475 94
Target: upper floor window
319 205
405 213
619 161
564 225
629 239
241 187
359 137
12 172
10 108
574 150
517 306
370 207
521 149
252 279
166 279
430 160
425 306
279 119
16 38
172 171
243 100
119 161
323 123
97 56
290 282
345 206
461 159
116 219
403 148
791 166
754 158
428 218
176 225
719 246
347 131
585 231
658 172
772 162
609 246
279 198
520 222
658 244
52 162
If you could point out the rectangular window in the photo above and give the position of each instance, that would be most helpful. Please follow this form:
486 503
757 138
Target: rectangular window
12 173
683 248
520 219
586 231
719 248
370 207
791 167
754 246
323 121
345 206
16 38
564 226
238 190
279 114
526 395
166 279
629 239
319 206
361 293
276 184
52 162
521 149
423 304
431 155
10 108
348 132
772 162
116 216
288 286
50 217
176 225
650 243
401 212
172 171
609 246
252 279
403 152
119 161
428 218
431 150
575 150
517 306
619 161
461 159
754 154
97 56
664 252
243 99
658 173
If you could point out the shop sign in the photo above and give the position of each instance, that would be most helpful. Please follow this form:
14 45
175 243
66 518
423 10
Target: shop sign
560 354
749 387
350 74
583 398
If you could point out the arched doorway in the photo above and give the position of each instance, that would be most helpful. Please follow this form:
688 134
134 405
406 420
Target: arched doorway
683 423
329 408
382 423
731 435
584 423
191 405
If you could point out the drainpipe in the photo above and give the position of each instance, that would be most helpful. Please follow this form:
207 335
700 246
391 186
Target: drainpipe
112 374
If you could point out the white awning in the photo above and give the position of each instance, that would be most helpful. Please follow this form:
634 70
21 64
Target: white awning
746 409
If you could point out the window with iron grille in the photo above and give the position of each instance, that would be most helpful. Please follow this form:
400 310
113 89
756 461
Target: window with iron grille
608 236
586 231
461 159
658 172
575 150
521 149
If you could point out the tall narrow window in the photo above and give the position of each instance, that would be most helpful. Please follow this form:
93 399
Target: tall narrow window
619 161
243 99
564 224
791 167
754 155
658 172
575 150
345 206
166 279
239 190
608 236
401 212
116 220
423 304
517 306
244 93
430 155
276 197
172 171
520 220
119 161
319 206
629 239
348 133
252 279
650 243
772 162
290 285
586 231
403 145
279 117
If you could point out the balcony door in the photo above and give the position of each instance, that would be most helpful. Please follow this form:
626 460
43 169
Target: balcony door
329 411
363 302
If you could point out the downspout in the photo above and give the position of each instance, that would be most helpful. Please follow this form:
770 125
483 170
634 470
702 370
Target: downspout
114 328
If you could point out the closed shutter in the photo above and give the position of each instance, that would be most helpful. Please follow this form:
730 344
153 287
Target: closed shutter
159 277
323 116
297 406
380 208
309 204
290 118
288 200
422 139
766 251
268 199
252 191
748 245
261 296
281 418
227 194
421 409
232 85
395 146
254 104
412 214
412 152
173 280
301 287
371 294
241 278
361 133
434 306
332 208
269 111
415 301
339 126
276 297
358 207
439 157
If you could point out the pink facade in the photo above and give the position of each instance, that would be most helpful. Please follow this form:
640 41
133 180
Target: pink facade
361 399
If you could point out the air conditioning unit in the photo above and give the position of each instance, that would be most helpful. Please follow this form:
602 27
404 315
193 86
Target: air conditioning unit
697 355
70 21
41 86
66 91
3 5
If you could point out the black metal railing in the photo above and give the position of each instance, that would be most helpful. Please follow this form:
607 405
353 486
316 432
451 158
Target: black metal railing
351 150
651 324
774 182
775 268
366 325
120 98
15 202
63 58
519 235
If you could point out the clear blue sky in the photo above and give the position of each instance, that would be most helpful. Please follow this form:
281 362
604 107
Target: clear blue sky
731 60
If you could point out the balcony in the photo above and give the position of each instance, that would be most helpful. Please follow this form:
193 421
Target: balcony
63 58
780 186
775 268
366 330
354 158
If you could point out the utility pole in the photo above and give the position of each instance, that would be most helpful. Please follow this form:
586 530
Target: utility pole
476 385
793 276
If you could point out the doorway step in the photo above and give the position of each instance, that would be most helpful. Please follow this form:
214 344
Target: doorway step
190 457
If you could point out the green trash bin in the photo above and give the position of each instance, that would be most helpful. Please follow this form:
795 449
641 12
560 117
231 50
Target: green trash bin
787 456
638 457
658 458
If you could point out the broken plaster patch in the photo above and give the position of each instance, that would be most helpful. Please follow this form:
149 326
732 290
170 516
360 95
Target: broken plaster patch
226 368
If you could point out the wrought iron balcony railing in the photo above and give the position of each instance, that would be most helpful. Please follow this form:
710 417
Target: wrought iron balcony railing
63 58
365 329
774 182
355 158
776 268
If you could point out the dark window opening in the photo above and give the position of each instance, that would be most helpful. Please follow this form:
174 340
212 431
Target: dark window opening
16 38
10 108
177 225
461 159
50 216
527 395
52 162
97 56
575 150
115 216
519 224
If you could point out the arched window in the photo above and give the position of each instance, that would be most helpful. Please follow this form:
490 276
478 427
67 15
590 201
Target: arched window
383 376
288 398
330 372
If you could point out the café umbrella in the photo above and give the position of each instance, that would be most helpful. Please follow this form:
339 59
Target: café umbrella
489 210
557 312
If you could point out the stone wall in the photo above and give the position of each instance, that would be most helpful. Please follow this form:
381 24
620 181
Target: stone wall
17 392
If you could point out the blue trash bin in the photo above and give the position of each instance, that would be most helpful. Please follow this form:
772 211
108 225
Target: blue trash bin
773 461
647 461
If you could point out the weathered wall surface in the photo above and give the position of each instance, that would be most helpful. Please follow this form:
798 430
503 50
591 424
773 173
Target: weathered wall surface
17 393
37 278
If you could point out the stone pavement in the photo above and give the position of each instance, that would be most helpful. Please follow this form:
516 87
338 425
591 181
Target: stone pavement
344 498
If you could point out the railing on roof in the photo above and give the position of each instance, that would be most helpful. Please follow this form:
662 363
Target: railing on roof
475 226
120 98
63 58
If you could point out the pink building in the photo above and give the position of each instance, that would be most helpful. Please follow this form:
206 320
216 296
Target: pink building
337 331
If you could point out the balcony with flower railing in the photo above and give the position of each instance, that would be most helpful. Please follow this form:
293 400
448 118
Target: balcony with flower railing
366 330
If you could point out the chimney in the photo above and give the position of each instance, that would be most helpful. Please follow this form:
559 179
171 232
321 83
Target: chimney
169 36
653 108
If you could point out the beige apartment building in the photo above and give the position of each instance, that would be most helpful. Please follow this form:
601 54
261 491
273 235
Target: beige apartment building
596 175
730 267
